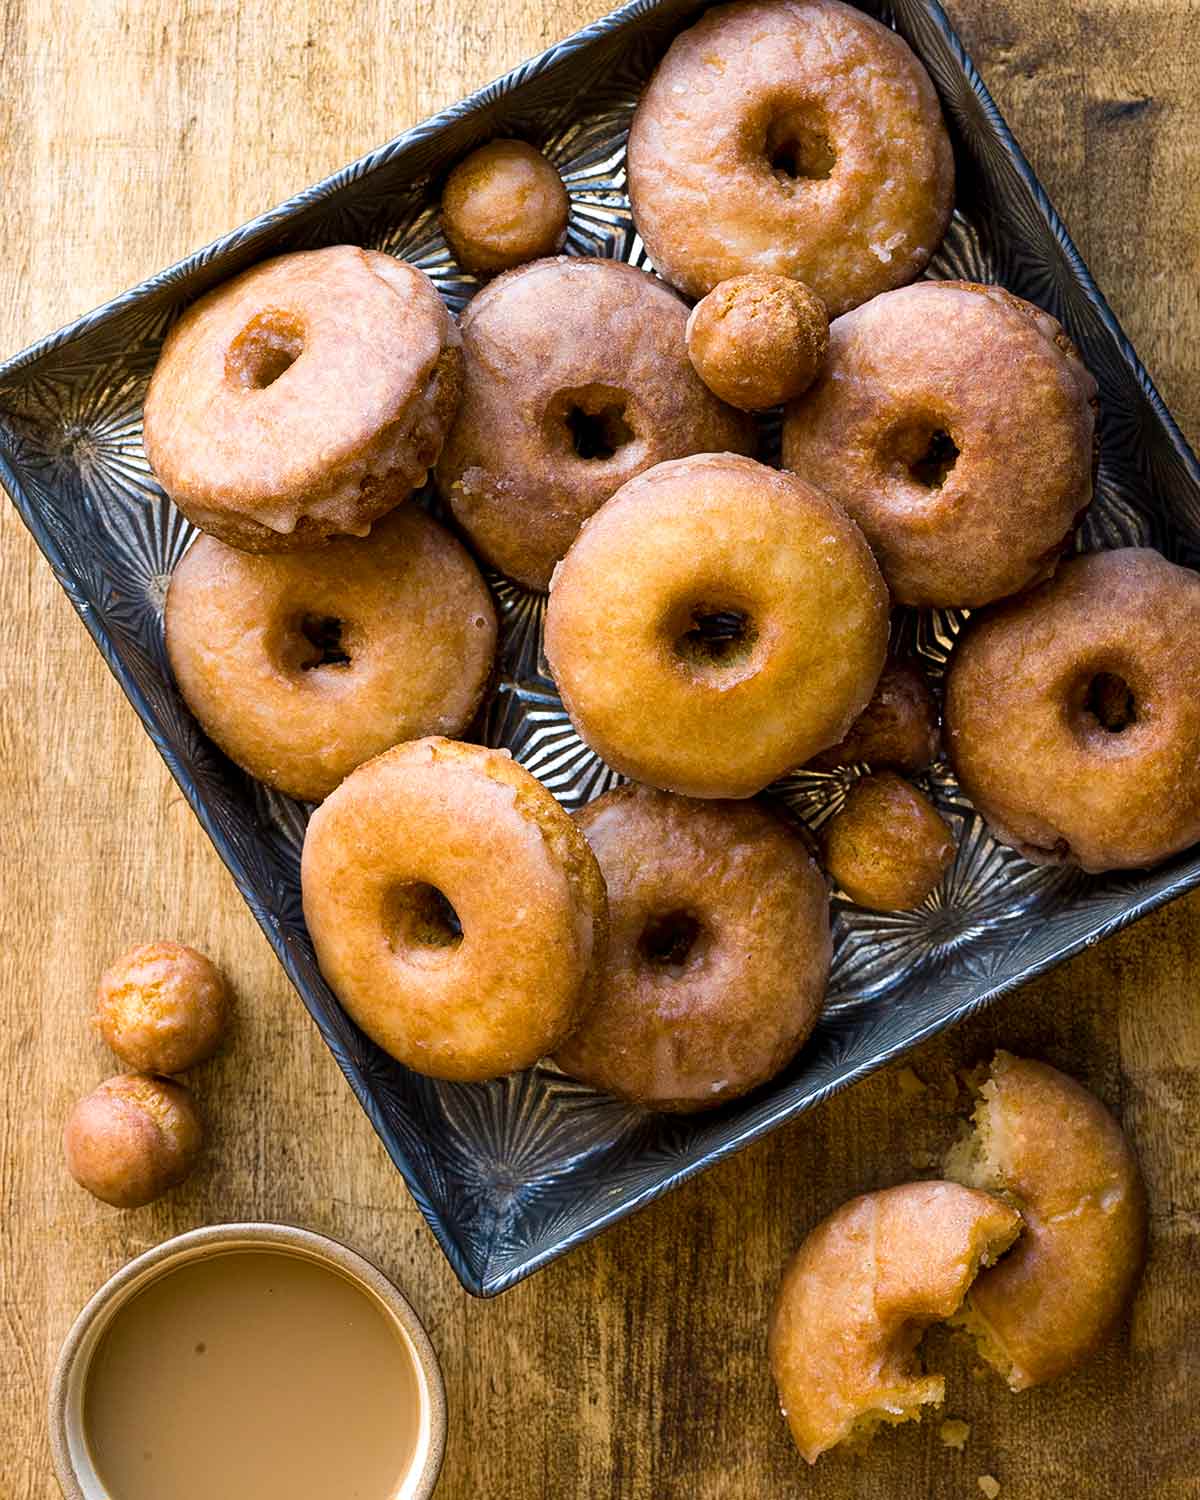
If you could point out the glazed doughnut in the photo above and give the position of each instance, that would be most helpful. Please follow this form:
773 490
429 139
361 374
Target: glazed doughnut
859 1293
743 626
576 379
795 137
955 423
1051 1146
162 1007
718 953
1072 716
303 399
456 911
899 727
302 665
888 847
757 341
503 205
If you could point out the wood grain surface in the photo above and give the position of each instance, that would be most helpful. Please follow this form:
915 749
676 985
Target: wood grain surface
132 131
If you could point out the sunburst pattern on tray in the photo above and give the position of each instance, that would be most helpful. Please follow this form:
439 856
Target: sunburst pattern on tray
512 1173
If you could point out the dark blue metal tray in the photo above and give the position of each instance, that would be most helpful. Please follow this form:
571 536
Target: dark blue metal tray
513 1173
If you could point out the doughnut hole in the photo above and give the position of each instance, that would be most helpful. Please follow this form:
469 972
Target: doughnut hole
1103 709
672 943
421 924
926 452
315 643
888 847
715 640
590 423
268 346
798 148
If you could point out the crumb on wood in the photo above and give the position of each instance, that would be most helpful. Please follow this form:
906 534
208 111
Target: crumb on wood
990 1485
954 1433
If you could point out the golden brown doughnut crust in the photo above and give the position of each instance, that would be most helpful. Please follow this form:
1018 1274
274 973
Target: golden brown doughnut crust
503 205
888 847
1031 686
568 355
691 542
796 137
258 647
162 1007
996 376
1052 1148
756 341
303 399
132 1139
859 1293
718 955
470 823
899 727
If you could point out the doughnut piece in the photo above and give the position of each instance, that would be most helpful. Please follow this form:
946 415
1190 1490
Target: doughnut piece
303 399
742 626
162 1007
1053 1149
1072 716
857 1297
795 137
577 378
898 728
456 911
133 1139
303 665
756 341
503 205
955 423
888 847
718 953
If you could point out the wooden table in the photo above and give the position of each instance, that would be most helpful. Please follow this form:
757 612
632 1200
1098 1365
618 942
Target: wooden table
134 130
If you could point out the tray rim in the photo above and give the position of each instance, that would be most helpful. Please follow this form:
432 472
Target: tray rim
256 232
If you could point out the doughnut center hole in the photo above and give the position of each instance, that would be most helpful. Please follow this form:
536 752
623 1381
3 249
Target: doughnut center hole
420 922
322 635
1109 700
269 345
669 940
928 453
598 434
716 637
799 150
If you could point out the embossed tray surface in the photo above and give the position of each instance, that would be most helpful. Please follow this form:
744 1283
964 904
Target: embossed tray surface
513 1173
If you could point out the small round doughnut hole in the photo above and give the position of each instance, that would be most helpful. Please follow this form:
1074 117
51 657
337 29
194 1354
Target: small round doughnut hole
503 205
756 340
898 728
889 846
132 1139
162 1007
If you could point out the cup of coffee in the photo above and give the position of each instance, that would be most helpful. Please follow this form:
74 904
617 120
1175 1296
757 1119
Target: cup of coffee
248 1359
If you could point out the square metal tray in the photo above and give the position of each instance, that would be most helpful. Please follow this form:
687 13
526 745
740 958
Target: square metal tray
513 1173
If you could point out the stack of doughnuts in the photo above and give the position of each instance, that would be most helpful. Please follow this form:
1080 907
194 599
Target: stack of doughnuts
712 623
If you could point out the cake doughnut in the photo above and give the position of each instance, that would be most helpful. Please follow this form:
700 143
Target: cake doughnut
576 379
718 954
743 626
303 399
456 911
888 847
795 137
1054 1150
899 727
302 665
1072 717
503 205
757 341
857 1297
956 424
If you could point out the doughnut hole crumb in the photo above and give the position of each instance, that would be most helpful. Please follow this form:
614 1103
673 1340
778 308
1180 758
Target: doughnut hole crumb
898 728
954 1433
889 846
162 1007
132 1139
757 340
503 205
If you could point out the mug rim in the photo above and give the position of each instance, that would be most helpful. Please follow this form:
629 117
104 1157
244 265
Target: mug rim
74 1357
